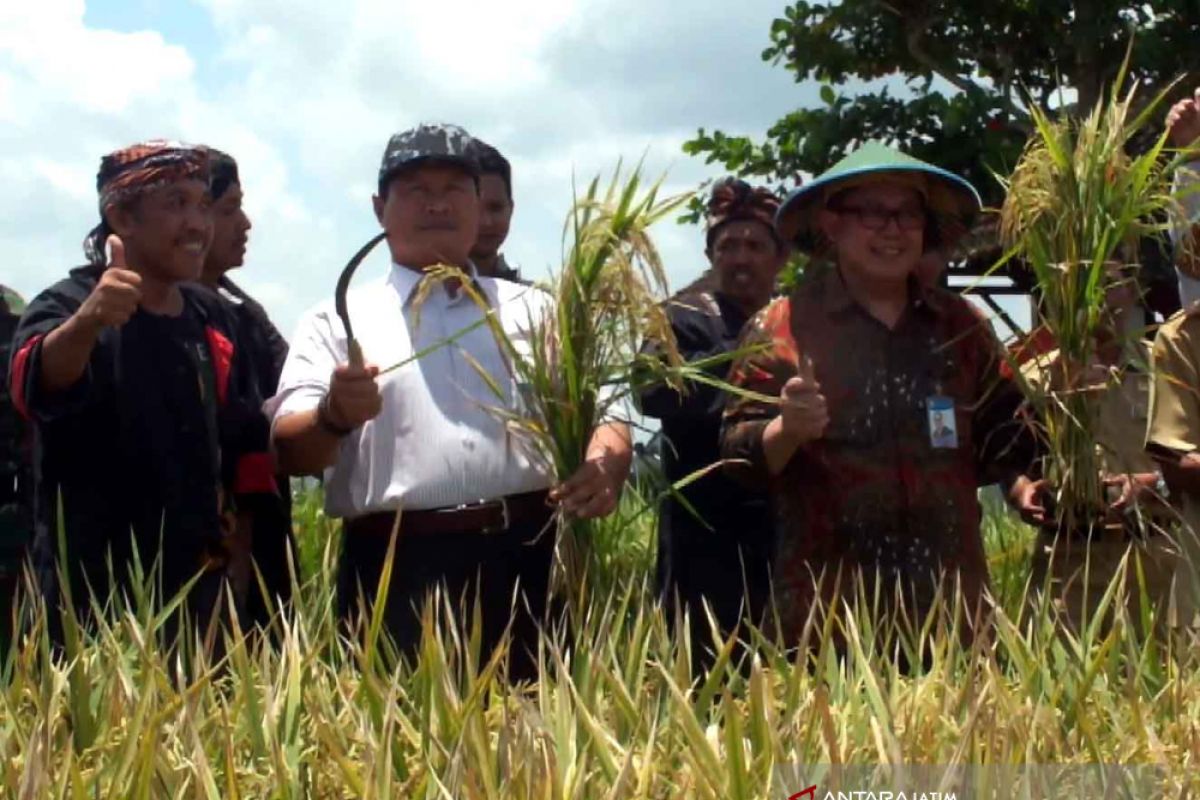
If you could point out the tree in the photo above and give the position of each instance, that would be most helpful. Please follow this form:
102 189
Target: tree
949 81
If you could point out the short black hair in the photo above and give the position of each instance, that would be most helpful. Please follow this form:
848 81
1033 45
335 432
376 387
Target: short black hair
223 172
93 243
491 162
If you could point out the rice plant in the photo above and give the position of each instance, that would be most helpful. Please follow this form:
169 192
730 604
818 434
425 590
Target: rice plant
577 361
1078 199
305 710
617 712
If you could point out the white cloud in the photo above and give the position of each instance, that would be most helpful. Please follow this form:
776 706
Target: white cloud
97 71
69 94
305 93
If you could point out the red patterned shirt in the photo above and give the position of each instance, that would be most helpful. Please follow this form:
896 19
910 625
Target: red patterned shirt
875 495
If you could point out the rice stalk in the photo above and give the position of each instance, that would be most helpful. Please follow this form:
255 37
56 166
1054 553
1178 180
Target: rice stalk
1078 201
616 713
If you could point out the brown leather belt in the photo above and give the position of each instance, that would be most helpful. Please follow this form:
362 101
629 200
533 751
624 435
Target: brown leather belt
490 516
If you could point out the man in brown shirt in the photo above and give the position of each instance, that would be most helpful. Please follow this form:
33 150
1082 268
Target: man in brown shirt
1173 431
1173 439
855 365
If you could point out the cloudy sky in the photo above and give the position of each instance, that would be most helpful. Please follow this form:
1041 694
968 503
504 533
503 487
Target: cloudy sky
305 94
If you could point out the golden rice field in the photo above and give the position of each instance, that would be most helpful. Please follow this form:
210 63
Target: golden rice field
618 714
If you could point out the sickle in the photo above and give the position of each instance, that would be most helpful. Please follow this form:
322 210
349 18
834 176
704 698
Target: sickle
339 298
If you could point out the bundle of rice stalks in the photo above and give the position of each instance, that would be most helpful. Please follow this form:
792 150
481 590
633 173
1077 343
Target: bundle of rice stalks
1077 200
574 364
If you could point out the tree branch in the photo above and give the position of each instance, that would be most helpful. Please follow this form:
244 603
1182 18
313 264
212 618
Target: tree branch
915 28
1008 69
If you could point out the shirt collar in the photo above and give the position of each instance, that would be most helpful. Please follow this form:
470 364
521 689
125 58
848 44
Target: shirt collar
838 297
405 281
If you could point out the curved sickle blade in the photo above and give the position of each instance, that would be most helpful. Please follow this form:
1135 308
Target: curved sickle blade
339 296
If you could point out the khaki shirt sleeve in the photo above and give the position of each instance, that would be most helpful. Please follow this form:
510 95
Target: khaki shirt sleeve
1174 420
1186 186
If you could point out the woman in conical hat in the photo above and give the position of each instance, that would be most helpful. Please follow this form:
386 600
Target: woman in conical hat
861 364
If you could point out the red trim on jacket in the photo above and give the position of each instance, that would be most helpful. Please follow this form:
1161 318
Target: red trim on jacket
16 381
255 474
222 356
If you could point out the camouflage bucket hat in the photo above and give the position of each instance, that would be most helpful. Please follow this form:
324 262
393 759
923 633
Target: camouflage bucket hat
427 142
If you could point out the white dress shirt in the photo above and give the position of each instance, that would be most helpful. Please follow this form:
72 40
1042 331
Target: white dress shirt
438 440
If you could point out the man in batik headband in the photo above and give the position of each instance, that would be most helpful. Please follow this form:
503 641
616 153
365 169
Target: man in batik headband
135 384
850 374
714 538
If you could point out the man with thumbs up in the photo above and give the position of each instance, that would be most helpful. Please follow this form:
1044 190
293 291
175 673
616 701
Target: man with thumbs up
144 426
878 407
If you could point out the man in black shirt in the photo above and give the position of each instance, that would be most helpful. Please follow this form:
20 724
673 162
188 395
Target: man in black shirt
16 517
146 424
718 551
267 515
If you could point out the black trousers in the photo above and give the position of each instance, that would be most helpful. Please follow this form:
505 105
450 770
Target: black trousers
274 552
488 567
728 568
10 603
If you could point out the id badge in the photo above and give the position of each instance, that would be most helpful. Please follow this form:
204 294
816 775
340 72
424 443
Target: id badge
943 429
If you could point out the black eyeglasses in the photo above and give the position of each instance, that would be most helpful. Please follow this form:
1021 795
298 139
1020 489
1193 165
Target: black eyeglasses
875 218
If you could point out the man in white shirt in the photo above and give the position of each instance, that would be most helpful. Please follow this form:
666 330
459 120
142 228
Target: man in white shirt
425 439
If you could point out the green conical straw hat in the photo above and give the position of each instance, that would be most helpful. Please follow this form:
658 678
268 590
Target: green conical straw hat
12 300
952 199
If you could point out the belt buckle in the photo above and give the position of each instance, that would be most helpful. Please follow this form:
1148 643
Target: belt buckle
505 519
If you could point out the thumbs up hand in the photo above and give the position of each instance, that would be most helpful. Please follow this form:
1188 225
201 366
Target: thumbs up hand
803 411
116 296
